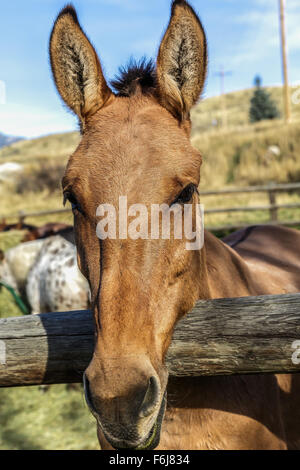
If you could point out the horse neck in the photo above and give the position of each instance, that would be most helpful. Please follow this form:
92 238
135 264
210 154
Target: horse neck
223 272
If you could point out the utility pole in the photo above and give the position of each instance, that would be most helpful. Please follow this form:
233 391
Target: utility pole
286 93
222 74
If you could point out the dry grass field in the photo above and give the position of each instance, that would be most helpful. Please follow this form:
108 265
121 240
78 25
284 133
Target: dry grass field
237 106
236 155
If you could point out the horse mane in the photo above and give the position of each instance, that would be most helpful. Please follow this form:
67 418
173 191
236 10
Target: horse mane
136 74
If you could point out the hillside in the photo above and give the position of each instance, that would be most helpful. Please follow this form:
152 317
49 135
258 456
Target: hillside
8 140
241 156
233 155
236 106
51 147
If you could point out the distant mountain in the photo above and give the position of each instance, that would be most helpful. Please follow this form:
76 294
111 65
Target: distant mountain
8 140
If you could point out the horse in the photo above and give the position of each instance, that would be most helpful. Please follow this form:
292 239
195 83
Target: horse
54 282
135 142
16 263
4 227
48 230
45 272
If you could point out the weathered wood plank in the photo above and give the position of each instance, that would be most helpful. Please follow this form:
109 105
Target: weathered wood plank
219 337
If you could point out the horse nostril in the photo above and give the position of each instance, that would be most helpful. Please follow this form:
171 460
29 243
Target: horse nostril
151 398
87 392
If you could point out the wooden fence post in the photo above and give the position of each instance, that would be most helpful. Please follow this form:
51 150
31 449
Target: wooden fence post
274 209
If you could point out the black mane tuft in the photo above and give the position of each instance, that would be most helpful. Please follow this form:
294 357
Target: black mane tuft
140 73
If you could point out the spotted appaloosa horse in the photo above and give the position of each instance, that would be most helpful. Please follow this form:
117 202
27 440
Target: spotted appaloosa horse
48 230
136 143
16 263
54 282
46 272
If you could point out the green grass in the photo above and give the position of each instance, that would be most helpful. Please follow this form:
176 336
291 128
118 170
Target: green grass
8 307
10 239
55 419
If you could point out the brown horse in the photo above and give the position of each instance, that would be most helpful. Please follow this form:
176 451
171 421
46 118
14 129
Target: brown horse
136 143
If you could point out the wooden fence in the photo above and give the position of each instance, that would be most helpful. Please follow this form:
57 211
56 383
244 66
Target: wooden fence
272 207
219 337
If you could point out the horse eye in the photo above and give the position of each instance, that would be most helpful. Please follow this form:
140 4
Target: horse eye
72 200
186 195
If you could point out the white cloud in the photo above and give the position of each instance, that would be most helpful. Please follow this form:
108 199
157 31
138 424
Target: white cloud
261 34
292 25
33 122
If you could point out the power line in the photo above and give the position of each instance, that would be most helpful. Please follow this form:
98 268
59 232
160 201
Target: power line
222 74
286 94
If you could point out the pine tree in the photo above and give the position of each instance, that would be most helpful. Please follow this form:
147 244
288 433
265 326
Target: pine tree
262 105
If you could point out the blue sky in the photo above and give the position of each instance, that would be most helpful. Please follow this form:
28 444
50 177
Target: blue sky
243 36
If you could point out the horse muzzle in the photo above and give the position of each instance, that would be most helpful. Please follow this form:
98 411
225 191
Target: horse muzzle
124 429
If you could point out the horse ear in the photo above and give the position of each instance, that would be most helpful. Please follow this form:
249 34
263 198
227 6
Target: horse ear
75 65
182 61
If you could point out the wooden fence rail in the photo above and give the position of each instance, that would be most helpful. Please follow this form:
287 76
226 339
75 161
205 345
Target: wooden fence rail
219 337
272 207
255 189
